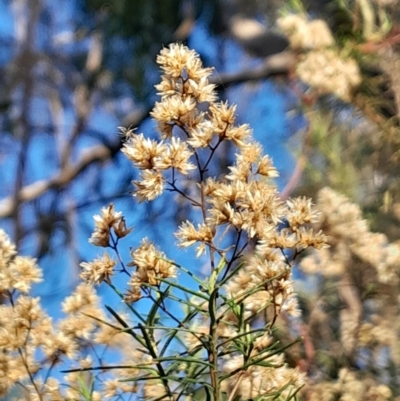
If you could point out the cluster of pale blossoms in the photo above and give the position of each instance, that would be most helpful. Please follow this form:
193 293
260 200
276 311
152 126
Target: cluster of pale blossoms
150 263
348 388
191 123
305 34
33 346
109 228
243 204
235 211
260 380
320 66
16 272
350 239
357 252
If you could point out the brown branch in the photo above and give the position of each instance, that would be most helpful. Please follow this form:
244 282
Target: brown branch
98 153
62 178
277 64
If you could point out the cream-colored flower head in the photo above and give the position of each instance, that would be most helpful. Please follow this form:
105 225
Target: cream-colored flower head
20 274
109 219
177 156
101 269
150 186
261 381
151 265
177 60
350 237
305 34
16 272
266 168
321 66
143 152
83 298
7 248
188 235
328 72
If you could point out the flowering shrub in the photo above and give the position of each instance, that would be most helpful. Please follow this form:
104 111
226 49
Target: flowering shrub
359 275
221 346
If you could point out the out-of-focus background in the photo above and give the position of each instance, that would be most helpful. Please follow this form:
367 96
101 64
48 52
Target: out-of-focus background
318 81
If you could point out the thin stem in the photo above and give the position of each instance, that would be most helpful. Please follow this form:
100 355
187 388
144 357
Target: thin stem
53 362
202 196
213 149
176 189
149 339
233 392
234 256
25 363
212 350
198 373
132 309
222 236
200 169
114 246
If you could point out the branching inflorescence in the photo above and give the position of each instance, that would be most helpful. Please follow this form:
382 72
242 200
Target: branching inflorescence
217 342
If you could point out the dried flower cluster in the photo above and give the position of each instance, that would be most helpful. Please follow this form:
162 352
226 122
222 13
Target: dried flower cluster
151 266
259 380
349 388
305 34
351 239
243 206
16 272
328 72
32 346
220 347
108 220
361 268
321 65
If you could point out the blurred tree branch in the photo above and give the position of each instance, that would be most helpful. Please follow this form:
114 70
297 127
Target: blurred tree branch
95 154
277 64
